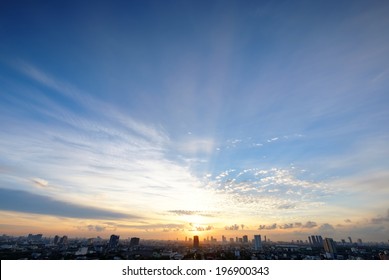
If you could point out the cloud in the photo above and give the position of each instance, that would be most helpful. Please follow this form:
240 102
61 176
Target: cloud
326 229
232 227
150 226
40 182
269 191
93 150
308 224
191 213
287 206
347 221
267 227
96 228
22 201
202 228
381 219
287 226
272 139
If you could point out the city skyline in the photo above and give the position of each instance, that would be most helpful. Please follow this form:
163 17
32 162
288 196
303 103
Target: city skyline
166 119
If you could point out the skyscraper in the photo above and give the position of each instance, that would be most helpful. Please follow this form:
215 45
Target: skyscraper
319 240
113 241
313 238
134 241
245 239
257 242
196 242
63 240
329 248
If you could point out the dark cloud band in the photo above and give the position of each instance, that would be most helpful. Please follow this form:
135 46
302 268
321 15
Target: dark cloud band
22 201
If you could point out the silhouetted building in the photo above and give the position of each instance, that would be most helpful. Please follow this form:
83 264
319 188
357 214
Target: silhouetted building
257 242
329 248
196 242
113 241
63 240
134 241
56 240
34 237
349 238
245 239
319 240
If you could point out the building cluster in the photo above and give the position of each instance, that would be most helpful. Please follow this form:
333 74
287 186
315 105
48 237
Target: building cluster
256 248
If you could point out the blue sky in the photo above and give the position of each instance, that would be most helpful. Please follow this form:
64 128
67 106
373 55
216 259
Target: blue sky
179 117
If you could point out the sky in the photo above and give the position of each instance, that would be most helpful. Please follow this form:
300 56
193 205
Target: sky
169 119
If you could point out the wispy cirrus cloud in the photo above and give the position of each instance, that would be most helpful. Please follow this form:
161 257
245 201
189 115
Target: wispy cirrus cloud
192 213
98 152
40 182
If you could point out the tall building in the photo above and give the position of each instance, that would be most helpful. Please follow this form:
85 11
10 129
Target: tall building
319 240
329 248
257 242
63 240
113 241
134 241
313 238
196 242
56 240
224 239
245 239
349 238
